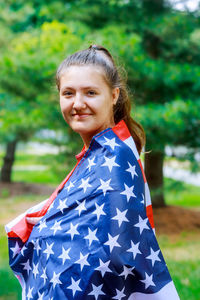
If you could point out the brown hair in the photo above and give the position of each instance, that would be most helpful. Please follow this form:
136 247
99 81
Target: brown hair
100 56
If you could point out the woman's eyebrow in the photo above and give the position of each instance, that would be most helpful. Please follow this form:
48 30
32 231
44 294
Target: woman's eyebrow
81 88
66 87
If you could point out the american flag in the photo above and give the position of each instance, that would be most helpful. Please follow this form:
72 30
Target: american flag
96 238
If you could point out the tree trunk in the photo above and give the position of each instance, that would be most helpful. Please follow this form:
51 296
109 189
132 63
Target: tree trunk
154 174
9 158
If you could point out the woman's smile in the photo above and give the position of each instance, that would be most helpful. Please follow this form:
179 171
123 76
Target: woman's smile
80 115
87 101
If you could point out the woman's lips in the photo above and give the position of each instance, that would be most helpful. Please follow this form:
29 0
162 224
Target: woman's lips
80 116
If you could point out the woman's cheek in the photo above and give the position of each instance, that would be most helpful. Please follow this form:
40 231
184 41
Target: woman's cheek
66 106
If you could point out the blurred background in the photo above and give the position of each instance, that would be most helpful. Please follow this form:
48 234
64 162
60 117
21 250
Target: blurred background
157 42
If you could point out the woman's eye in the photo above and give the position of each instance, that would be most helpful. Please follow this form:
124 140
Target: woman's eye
67 93
91 93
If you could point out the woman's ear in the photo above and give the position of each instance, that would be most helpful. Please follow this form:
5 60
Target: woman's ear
115 95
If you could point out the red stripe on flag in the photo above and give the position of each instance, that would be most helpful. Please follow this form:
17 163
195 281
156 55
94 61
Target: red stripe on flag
141 167
149 212
22 230
121 130
12 234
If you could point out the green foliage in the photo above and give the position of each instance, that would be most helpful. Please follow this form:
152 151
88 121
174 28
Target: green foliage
27 72
174 123
158 46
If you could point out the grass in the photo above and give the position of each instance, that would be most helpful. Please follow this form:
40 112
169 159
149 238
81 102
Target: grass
58 166
183 261
180 193
45 177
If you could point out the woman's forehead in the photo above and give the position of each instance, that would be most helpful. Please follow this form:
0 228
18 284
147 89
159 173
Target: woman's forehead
82 76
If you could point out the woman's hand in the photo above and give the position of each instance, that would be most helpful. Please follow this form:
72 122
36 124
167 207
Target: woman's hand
33 220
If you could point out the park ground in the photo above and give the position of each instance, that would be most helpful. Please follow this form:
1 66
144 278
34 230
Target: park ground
177 225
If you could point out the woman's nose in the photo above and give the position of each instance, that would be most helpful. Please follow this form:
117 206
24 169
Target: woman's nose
79 102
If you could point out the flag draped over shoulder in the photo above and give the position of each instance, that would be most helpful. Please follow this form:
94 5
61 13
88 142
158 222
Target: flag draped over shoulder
96 238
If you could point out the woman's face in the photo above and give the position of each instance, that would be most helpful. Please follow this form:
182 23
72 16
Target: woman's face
87 101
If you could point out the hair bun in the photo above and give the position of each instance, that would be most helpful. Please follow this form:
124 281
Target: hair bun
96 47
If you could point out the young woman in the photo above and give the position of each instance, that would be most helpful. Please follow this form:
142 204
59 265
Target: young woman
94 237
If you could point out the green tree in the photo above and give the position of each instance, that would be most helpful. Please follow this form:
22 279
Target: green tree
160 50
28 96
158 46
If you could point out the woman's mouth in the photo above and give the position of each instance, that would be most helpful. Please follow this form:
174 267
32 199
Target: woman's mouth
80 116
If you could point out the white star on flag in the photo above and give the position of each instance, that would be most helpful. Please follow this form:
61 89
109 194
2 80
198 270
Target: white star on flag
142 224
127 271
111 143
40 296
131 169
71 184
81 207
120 294
105 186
74 286
134 249
64 254
96 291
62 205
153 256
15 249
128 192
72 231
91 163
27 266
24 248
29 294
85 184
55 280
91 236
44 275
103 267
142 201
110 163
120 217
35 270
48 249
42 225
82 261
56 226
37 246
112 241
99 210
148 281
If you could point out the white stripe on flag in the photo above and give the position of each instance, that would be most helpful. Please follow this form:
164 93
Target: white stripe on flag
130 142
147 195
168 292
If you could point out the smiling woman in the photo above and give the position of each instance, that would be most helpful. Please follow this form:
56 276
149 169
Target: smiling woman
87 109
95 65
94 237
